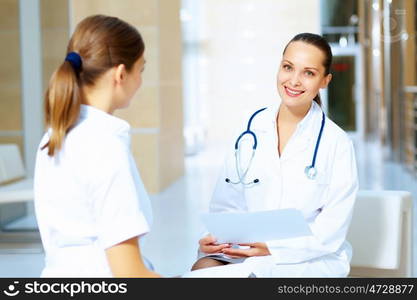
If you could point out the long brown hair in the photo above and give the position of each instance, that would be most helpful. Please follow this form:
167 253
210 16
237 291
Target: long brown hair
321 43
101 42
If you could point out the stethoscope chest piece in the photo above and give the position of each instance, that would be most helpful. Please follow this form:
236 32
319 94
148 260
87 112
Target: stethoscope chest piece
310 172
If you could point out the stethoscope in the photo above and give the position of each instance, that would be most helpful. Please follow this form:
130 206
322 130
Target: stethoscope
310 171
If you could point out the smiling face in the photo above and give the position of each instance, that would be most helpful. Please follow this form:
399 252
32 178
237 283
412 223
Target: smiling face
301 75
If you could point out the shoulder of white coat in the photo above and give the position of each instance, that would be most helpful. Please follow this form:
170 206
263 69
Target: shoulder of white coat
264 110
239 122
99 145
44 140
262 116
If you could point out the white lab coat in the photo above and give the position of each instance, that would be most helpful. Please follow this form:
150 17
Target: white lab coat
89 197
326 202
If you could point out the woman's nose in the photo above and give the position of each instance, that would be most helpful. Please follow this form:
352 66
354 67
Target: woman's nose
295 79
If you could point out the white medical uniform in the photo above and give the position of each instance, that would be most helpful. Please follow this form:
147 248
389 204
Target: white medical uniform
326 202
89 197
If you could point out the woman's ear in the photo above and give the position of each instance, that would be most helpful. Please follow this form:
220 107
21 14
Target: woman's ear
120 73
326 81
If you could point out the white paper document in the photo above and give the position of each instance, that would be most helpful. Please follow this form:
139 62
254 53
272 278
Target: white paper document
251 227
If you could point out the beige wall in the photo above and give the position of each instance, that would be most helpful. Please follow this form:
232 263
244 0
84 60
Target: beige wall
10 82
55 35
170 76
156 110
54 32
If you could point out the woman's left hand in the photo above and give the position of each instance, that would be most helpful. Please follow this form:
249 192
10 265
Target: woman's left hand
256 249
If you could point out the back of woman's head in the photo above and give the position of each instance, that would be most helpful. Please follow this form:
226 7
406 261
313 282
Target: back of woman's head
98 43
319 42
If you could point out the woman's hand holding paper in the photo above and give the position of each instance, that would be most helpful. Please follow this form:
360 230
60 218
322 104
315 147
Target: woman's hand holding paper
208 245
255 249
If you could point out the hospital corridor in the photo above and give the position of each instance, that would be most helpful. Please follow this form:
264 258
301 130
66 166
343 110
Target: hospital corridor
210 65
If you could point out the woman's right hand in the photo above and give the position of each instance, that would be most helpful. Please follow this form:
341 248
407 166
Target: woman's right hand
208 245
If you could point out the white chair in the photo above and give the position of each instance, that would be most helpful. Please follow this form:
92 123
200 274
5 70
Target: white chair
14 187
381 234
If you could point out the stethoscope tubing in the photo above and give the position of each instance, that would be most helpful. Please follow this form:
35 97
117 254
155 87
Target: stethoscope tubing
316 148
310 171
248 131
237 157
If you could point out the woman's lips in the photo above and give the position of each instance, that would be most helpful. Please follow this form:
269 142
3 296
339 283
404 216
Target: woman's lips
292 93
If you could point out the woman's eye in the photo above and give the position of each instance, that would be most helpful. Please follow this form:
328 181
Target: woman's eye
309 73
286 67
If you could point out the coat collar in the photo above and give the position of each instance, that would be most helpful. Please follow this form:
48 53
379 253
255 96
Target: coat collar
303 126
103 120
305 134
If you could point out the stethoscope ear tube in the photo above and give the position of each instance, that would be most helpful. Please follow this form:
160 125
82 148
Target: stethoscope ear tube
244 183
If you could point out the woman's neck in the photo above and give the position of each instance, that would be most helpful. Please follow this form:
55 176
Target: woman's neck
98 98
292 114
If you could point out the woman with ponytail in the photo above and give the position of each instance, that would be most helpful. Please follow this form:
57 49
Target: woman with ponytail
91 205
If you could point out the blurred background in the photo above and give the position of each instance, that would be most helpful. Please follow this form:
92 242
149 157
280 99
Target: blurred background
207 61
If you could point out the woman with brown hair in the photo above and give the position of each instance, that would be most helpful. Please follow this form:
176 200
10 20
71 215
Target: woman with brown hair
290 155
91 205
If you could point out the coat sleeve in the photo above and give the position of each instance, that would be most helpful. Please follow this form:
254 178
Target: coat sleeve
331 225
115 200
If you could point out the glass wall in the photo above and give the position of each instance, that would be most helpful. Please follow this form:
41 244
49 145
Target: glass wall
20 44
339 20
194 85
409 98
339 25
341 93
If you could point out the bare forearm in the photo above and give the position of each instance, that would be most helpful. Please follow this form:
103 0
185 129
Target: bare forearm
125 260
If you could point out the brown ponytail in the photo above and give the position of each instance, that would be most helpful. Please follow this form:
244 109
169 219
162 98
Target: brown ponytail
62 105
317 99
101 42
